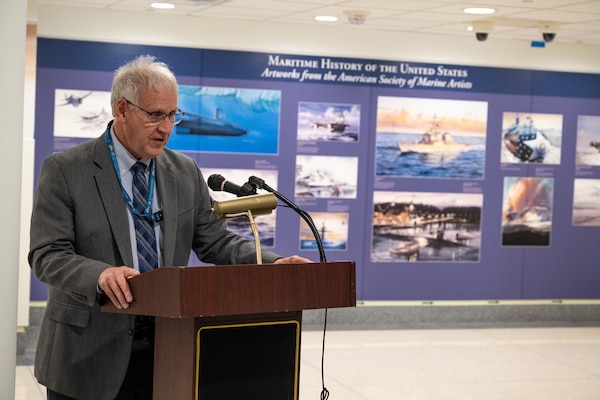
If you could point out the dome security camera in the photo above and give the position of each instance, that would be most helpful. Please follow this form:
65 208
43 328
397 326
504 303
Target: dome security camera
481 36
356 17
482 29
548 30
548 37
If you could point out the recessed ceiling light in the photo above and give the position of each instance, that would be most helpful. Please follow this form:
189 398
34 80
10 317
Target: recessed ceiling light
479 10
326 18
163 6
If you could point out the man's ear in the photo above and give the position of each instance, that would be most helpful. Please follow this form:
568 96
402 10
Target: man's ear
121 108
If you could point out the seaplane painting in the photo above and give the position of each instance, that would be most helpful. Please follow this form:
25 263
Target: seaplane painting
426 227
73 100
328 122
81 114
430 138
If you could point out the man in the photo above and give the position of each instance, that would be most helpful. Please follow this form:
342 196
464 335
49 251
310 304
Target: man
88 213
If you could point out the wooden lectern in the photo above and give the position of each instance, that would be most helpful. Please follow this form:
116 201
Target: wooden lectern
233 332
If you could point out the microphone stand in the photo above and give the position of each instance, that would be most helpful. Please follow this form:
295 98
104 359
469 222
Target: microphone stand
253 229
248 214
256 238
261 204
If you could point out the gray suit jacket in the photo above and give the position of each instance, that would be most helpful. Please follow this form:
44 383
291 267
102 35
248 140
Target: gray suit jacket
78 228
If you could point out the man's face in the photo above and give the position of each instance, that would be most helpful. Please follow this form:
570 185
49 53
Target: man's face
134 127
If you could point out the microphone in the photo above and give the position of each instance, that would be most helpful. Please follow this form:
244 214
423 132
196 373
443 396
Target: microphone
218 183
259 204
259 183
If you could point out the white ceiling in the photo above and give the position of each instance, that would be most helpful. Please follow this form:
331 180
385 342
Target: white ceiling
578 20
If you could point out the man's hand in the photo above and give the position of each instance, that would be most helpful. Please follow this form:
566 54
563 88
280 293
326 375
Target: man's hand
113 281
292 260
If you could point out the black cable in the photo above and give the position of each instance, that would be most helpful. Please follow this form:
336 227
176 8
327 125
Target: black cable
324 391
260 184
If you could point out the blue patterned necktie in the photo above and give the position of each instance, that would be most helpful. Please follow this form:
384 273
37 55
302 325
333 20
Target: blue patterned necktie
144 229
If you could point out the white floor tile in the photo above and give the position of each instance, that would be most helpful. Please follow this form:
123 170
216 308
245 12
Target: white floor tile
490 364
26 386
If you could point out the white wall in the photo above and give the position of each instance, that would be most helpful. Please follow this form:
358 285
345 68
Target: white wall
12 30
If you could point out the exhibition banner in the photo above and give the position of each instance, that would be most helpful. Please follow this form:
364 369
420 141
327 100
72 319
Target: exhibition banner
442 182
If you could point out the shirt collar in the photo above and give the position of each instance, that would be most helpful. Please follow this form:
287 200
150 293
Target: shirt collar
124 157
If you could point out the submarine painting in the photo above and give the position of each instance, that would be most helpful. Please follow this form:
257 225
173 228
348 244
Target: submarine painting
426 227
527 211
227 120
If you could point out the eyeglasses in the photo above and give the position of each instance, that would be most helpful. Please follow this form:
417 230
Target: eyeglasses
157 117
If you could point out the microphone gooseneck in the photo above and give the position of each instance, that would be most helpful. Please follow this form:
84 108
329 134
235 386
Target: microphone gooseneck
260 184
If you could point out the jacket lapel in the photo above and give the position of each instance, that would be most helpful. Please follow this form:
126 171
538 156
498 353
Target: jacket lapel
112 199
166 183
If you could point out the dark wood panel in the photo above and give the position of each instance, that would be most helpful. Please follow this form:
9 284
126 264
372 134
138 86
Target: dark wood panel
181 292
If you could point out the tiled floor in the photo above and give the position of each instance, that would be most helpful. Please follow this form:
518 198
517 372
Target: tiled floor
482 364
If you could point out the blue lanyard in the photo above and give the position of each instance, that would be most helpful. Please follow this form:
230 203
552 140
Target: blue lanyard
157 216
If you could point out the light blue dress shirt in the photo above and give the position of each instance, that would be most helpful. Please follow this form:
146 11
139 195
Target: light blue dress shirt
126 161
